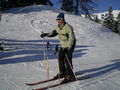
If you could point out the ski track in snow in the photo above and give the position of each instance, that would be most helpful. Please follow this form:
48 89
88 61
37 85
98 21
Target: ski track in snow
96 53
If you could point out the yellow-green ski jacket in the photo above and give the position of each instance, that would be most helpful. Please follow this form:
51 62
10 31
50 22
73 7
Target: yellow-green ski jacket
66 35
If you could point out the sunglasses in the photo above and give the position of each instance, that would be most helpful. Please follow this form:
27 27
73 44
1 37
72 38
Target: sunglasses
59 19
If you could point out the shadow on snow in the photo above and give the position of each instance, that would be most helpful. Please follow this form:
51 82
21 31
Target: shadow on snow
32 50
99 71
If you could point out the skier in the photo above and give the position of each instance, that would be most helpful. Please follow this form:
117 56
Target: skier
67 42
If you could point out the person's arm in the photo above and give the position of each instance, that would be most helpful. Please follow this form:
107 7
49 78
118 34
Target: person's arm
51 34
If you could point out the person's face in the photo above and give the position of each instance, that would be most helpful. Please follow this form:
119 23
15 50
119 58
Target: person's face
60 21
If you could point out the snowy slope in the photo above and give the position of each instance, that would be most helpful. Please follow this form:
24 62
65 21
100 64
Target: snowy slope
97 53
115 13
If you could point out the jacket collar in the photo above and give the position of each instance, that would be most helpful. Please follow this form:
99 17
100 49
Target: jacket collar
61 26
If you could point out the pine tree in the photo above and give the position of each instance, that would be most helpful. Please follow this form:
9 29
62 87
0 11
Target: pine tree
34 1
2 3
0 16
115 27
17 3
118 23
68 5
109 20
96 19
84 7
78 6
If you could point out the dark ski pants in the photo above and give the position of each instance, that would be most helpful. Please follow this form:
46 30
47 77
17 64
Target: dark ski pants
65 61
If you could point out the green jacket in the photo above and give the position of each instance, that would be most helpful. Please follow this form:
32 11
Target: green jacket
66 35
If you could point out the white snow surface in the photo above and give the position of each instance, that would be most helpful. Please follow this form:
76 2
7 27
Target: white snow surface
114 12
97 53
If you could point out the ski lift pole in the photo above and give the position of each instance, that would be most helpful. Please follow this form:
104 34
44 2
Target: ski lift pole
46 59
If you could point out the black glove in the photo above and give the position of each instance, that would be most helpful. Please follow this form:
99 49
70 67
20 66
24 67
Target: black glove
43 35
65 50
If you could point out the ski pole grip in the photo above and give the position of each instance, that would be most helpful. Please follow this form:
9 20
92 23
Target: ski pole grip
43 36
48 46
56 49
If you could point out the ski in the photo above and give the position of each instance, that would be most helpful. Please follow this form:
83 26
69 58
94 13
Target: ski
46 87
40 82
45 81
55 85
50 86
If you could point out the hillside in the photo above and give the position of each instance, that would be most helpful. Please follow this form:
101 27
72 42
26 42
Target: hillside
115 13
97 53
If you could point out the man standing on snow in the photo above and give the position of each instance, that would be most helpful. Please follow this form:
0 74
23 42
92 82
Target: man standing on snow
68 42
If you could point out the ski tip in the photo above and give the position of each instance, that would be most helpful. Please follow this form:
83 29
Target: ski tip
28 84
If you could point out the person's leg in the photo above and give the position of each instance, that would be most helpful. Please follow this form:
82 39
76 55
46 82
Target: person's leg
69 66
61 61
68 63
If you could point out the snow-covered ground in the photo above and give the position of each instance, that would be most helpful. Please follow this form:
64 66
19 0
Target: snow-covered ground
114 12
97 53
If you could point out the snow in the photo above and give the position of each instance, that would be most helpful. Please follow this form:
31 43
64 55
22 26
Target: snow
97 53
114 12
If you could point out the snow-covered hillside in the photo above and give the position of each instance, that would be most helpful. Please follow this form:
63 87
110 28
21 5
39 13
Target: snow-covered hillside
97 53
115 13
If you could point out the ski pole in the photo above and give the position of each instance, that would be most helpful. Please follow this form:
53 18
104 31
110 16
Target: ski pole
46 58
71 67
43 47
47 62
